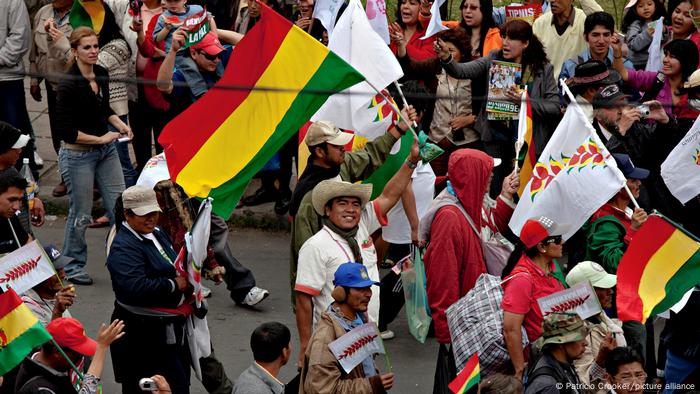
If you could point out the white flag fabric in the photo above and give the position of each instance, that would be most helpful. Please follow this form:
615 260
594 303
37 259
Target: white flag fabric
155 170
326 11
25 268
355 346
655 54
681 169
197 241
574 176
360 108
435 25
376 14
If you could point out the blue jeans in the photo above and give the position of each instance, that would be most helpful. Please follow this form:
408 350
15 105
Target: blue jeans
678 369
80 169
128 170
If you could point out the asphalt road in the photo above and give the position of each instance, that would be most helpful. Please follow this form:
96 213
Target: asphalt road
267 255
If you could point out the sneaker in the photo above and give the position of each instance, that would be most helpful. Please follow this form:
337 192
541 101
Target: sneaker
255 296
386 335
38 160
80 278
206 292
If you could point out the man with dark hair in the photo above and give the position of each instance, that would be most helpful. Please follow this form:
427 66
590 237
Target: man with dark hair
12 234
271 345
624 372
598 29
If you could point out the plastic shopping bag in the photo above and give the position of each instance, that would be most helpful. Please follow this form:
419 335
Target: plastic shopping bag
417 309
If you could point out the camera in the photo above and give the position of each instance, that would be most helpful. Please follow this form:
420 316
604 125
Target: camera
147 384
644 110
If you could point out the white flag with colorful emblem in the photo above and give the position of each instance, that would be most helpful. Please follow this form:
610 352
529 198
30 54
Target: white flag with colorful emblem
573 177
359 107
681 169
197 241
25 268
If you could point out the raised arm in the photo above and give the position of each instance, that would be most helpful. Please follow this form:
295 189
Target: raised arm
165 73
396 185
618 60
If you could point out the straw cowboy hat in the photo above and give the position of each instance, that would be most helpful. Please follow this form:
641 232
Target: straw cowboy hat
330 189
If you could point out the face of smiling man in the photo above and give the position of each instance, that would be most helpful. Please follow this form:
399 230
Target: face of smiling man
345 212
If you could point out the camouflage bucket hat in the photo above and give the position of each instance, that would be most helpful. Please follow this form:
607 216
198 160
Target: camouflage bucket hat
561 328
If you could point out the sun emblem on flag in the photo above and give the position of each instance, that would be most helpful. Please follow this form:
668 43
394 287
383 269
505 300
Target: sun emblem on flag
586 154
3 338
384 108
696 156
543 173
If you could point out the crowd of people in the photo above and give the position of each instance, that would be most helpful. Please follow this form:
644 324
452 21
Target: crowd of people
453 211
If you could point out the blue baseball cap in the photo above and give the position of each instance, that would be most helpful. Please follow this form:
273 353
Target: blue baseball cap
353 275
624 163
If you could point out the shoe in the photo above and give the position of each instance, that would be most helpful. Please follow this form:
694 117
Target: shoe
60 190
38 161
261 196
386 335
282 204
206 292
102 221
255 296
81 278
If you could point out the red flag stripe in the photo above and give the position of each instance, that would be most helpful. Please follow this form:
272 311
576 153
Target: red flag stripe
8 302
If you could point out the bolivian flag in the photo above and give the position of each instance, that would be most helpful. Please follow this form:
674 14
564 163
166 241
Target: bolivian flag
219 143
468 378
660 265
20 331
526 144
89 13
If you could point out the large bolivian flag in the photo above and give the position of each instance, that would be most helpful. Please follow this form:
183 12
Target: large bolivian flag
661 264
90 13
20 331
219 143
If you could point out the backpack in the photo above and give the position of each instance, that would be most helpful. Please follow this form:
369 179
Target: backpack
475 322
496 249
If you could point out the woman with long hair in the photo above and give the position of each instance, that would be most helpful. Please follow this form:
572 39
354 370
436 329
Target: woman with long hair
528 275
88 152
680 61
682 26
453 120
520 46
408 30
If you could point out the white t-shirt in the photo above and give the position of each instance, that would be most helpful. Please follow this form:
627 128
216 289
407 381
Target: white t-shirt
398 231
322 254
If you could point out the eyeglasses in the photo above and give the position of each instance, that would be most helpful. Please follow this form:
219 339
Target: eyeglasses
207 56
629 378
555 239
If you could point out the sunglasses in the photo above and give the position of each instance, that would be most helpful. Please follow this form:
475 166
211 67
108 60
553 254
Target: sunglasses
209 57
556 239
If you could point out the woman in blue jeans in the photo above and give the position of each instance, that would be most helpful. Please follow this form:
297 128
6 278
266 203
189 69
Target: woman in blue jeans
88 149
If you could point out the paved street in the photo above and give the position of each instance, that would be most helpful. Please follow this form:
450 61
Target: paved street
266 254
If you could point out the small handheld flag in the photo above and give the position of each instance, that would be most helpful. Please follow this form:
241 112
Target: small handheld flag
20 331
468 377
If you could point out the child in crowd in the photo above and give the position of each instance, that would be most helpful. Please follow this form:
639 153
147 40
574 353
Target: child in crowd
638 32
175 12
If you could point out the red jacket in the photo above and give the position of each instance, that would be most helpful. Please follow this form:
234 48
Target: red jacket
154 97
454 259
416 48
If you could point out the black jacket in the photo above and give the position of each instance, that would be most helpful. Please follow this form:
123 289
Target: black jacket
78 108
34 377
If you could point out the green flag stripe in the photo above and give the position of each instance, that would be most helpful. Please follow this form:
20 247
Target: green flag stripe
14 352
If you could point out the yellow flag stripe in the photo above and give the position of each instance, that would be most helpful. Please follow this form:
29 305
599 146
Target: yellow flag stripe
16 322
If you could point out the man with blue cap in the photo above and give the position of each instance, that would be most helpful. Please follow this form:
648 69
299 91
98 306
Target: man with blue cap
321 371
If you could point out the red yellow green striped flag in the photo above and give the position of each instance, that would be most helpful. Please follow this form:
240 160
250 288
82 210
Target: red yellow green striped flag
90 13
469 376
660 265
526 144
219 143
20 331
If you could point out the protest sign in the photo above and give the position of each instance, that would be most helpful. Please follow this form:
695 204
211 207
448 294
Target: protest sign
196 27
355 346
25 268
503 77
580 299
527 13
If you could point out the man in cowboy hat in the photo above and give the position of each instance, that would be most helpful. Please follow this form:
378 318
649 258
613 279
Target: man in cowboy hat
563 341
589 77
348 220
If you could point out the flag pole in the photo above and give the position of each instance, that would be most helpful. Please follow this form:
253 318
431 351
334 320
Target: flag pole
403 98
596 138
80 374
522 119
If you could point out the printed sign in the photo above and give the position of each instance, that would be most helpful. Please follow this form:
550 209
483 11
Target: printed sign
504 76
25 268
355 346
580 299
196 27
527 13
